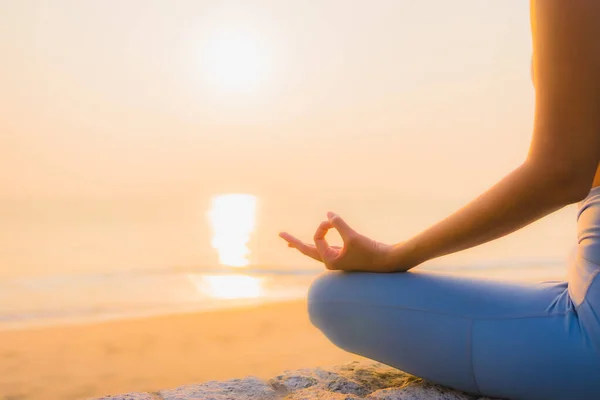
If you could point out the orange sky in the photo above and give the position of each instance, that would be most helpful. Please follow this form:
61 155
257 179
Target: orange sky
361 103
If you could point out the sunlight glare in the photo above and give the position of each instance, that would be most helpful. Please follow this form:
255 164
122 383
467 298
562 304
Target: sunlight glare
230 286
234 61
232 217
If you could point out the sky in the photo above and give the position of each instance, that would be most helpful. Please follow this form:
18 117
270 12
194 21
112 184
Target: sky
133 114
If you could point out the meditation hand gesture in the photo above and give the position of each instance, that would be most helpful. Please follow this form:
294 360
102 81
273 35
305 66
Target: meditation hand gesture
359 253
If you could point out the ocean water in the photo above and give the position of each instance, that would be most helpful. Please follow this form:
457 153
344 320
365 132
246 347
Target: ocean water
72 262
81 298
76 298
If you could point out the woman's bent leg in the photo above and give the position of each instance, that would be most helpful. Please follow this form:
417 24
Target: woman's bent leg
521 341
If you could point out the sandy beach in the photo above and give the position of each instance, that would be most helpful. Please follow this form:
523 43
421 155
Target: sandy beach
82 361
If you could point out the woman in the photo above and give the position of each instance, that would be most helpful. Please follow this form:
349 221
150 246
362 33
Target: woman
516 341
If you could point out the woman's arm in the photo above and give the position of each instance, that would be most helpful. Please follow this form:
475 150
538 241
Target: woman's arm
565 149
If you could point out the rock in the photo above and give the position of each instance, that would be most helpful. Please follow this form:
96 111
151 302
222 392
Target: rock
354 381
132 396
315 393
235 389
375 376
420 392
328 381
294 382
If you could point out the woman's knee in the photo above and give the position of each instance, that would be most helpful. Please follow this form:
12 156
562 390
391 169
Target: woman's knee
336 297
320 297
339 303
331 310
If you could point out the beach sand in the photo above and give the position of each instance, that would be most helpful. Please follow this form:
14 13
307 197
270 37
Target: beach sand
82 361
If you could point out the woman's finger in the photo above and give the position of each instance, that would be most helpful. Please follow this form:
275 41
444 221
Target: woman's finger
340 225
306 249
320 241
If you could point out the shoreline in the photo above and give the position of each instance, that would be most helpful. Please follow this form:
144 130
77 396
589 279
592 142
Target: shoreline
64 318
177 310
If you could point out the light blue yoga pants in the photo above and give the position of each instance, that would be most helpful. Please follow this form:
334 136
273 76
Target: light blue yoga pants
505 340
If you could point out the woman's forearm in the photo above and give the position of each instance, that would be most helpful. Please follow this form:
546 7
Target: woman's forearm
522 197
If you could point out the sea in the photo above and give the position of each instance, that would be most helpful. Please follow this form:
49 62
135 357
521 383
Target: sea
82 298
82 264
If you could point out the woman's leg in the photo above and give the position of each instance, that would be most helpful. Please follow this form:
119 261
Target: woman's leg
521 341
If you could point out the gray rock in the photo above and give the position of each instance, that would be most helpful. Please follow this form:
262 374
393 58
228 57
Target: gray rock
327 381
419 392
132 396
293 382
316 393
354 381
235 389
375 376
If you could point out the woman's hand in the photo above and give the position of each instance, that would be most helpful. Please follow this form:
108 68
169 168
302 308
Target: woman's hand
359 253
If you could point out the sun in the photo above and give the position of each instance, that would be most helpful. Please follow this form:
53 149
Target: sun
234 61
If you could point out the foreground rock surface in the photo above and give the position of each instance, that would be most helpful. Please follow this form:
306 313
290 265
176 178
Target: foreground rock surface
354 381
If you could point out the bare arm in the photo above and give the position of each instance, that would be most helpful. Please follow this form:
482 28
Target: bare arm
565 148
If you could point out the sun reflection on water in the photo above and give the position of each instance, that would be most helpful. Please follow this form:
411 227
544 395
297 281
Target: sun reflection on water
232 219
230 286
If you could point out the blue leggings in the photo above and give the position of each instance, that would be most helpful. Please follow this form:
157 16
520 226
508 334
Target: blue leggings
505 340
